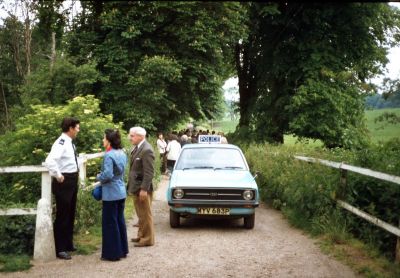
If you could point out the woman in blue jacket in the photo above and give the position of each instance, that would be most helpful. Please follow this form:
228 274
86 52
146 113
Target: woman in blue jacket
114 238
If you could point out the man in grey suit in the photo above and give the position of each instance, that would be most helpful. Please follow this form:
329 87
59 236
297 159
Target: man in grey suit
140 185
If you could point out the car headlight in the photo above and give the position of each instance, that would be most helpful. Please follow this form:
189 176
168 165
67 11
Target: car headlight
248 195
178 193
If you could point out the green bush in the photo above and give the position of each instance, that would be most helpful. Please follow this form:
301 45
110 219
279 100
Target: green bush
88 211
305 192
17 234
35 133
29 144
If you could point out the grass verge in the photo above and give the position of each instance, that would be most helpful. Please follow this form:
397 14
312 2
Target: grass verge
89 241
363 259
11 263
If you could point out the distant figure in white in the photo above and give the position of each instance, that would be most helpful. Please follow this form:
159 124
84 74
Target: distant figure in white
173 150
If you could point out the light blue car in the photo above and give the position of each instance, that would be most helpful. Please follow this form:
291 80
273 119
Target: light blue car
212 180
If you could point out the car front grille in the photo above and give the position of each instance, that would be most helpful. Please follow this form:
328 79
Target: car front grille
213 194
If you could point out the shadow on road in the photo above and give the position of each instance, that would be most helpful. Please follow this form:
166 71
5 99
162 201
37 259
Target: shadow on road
212 223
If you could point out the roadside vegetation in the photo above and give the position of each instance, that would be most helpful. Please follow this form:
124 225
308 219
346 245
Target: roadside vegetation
305 193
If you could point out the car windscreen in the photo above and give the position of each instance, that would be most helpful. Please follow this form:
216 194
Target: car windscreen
213 158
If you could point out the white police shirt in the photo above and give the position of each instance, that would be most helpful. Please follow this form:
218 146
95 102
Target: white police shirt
62 158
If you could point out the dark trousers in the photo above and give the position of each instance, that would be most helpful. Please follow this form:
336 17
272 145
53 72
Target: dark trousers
170 164
114 238
163 162
65 194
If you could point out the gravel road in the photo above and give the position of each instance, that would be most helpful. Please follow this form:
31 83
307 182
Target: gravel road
207 248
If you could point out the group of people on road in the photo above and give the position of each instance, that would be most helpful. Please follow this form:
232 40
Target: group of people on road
62 163
170 148
63 166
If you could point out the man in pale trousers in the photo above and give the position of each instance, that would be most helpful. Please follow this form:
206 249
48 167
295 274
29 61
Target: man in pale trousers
140 185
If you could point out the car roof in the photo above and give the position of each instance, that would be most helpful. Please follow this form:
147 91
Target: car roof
210 145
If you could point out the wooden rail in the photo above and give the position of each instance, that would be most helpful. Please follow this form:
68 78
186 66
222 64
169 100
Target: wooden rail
343 181
44 249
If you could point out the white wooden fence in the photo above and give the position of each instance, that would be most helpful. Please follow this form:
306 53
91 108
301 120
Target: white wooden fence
343 181
44 248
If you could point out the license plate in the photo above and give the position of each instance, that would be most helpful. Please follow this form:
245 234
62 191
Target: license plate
213 211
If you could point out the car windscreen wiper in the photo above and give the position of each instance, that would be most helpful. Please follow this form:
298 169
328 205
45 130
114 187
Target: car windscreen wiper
228 167
198 167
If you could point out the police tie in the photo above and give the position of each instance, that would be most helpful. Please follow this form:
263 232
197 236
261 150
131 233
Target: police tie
76 160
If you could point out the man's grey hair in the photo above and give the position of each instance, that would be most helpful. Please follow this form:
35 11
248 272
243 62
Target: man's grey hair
138 130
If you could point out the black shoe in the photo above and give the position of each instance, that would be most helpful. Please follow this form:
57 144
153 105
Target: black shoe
73 249
110 260
64 255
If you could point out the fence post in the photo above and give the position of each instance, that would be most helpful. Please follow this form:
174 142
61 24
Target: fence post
82 169
343 183
44 248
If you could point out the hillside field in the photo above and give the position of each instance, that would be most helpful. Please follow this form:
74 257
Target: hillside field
378 131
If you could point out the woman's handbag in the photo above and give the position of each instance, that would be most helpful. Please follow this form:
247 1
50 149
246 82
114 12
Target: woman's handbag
97 193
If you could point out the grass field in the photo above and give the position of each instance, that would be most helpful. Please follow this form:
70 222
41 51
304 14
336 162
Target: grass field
378 131
382 131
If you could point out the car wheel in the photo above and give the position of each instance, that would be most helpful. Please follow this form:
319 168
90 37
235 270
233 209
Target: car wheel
249 221
174 219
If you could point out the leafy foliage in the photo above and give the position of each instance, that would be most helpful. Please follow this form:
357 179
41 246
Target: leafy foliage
305 192
34 136
17 234
64 82
163 61
309 55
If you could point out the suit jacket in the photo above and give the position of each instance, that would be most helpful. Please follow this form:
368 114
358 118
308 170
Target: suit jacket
141 171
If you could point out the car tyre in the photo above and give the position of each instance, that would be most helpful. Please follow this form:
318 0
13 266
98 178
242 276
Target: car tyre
174 219
249 221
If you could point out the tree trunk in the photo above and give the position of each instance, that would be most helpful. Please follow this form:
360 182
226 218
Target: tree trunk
28 35
7 122
243 80
28 40
53 50
15 42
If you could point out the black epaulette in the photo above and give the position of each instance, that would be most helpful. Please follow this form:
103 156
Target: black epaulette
61 142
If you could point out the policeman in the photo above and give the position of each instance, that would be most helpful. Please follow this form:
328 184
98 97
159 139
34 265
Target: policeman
63 167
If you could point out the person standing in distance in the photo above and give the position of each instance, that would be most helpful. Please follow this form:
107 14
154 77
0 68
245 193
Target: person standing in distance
63 167
140 185
162 146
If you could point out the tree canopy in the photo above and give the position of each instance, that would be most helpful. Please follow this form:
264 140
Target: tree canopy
304 68
161 62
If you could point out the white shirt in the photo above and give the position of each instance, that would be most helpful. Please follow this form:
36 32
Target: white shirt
61 158
173 149
161 145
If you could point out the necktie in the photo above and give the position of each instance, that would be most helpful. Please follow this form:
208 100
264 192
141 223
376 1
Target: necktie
76 160
132 153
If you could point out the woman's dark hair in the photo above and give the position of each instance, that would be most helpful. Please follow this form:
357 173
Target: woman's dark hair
113 136
69 122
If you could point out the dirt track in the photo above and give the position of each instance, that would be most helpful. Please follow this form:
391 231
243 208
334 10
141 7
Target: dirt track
205 248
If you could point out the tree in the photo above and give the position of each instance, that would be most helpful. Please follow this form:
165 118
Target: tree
163 61
11 69
59 85
304 68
